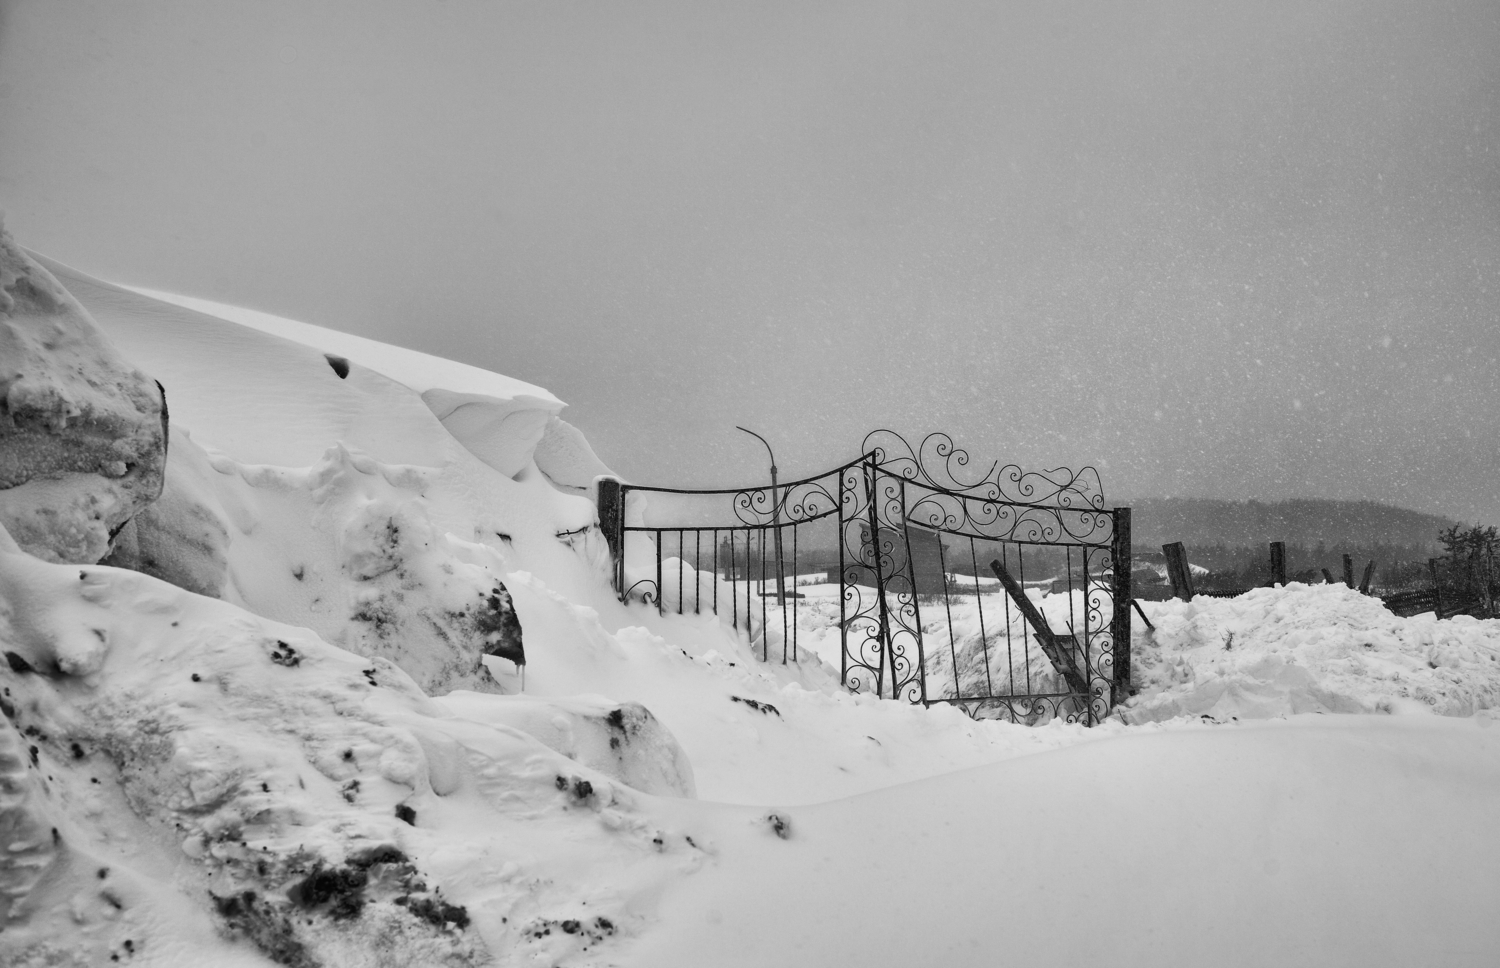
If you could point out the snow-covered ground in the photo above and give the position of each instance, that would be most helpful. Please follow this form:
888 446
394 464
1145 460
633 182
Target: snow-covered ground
316 768
1310 649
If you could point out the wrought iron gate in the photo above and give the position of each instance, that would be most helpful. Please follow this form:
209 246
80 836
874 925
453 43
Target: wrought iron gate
1005 593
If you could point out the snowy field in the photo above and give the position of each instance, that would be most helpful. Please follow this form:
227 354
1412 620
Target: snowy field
309 760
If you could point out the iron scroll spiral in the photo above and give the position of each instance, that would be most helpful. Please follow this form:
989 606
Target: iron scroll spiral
939 464
795 503
1003 503
645 590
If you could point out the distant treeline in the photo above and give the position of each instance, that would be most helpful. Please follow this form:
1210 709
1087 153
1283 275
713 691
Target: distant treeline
1355 527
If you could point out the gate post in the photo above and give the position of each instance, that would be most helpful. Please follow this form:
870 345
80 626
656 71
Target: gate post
1123 594
611 521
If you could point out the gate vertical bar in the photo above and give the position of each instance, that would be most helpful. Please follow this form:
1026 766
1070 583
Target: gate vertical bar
749 615
843 578
795 594
871 484
1025 627
1088 653
984 639
958 683
1068 571
765 625
1010 656
781 589
916 611
1122 595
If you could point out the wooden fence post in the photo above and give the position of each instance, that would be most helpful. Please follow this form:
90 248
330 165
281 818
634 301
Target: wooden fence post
1178 571
1489 585
1364 583
1437 588
1327 576
1349 571
611 520
1278 563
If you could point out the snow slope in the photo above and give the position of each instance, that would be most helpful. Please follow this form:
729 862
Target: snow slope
235 767
500 419
183 747
1315 841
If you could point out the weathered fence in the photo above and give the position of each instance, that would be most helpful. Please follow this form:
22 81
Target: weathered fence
1445 599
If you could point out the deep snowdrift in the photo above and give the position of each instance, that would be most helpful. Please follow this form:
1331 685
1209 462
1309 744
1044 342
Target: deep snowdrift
1309 648
332 813
504 422
324 767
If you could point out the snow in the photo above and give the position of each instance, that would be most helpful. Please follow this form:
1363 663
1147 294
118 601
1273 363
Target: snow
647 791
261 398
420 371
183 536
262 754
1311 841
500 419
1309 648
82 433
565 456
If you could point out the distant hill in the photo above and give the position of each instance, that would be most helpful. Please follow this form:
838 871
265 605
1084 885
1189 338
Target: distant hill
1304 521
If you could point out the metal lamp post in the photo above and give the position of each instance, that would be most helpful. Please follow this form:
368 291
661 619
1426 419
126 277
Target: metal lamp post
776 521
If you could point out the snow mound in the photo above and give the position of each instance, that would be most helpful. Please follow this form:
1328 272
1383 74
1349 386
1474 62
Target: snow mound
329 812
82 432
258 397
500 419
565 456
355 550
621 740
338 501
1309 648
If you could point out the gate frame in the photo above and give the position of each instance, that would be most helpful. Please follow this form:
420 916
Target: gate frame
854 497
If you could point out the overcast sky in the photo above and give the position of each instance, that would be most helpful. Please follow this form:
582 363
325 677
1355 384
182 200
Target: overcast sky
1234 250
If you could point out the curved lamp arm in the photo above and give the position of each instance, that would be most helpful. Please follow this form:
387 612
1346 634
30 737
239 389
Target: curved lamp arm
768 447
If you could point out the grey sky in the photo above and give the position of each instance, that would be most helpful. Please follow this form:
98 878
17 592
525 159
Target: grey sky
1237 250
